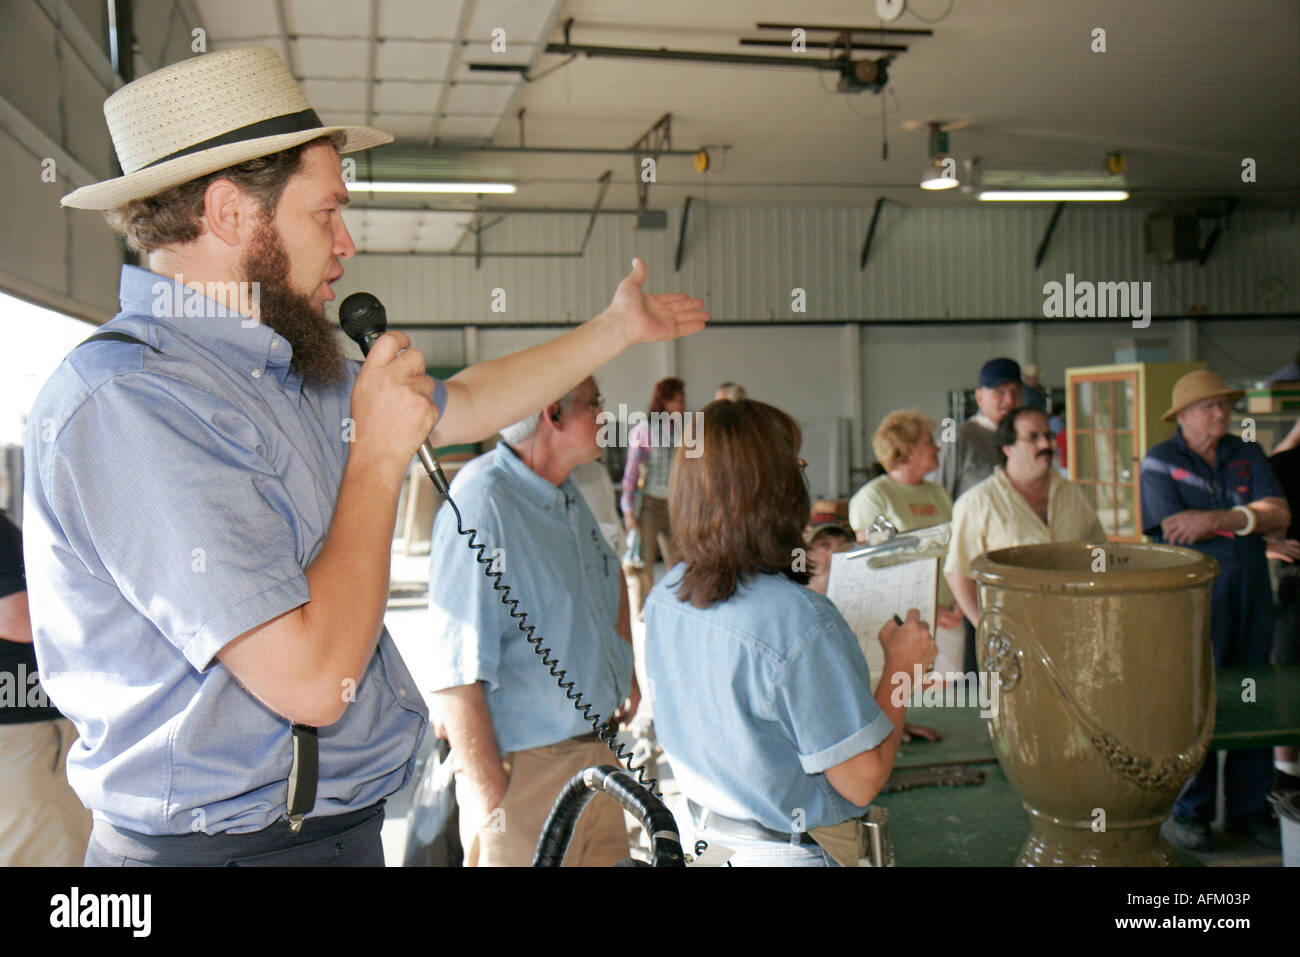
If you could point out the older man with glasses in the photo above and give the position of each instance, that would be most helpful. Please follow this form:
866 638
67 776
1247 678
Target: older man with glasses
1216 493
516 738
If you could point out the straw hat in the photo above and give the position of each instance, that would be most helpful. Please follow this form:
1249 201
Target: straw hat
1198 385
202 115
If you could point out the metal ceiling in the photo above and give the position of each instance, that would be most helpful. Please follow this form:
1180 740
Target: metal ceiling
1185 89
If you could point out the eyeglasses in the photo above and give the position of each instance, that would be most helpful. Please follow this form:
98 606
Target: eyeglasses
803 466
1033 437
595 405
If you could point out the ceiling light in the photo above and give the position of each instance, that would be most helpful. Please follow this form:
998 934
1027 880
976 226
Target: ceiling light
1053 195
937 175
392 187
941 171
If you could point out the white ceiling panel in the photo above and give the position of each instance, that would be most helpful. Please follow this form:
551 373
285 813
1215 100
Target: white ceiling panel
342 95
328 17
478 98
522 20
411 60
337 59
376 230
340 118
394 95
235 19
405 126
419 19
274 43
461 128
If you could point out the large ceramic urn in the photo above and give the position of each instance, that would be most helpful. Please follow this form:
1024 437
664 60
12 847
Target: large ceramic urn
1105 680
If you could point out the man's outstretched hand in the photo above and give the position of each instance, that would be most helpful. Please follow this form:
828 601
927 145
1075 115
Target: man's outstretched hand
654 318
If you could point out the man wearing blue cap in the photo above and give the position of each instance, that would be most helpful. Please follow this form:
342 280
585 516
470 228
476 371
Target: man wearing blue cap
972 457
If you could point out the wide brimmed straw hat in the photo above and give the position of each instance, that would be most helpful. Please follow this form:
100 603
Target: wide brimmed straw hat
202 115
1198 385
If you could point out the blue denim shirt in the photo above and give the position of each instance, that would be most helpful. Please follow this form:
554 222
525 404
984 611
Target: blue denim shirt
173 502
755 697
567 580
1175 479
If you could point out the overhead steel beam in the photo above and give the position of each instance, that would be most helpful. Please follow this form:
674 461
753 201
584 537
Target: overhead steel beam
871 233
681 236
1047 236
595 151
827 45
537 210
876 31
695 56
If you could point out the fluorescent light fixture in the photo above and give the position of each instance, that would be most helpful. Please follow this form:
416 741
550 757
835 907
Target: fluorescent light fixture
390 187
1053 195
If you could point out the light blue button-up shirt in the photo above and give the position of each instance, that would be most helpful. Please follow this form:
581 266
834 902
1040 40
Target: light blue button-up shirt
755 697
567 580
173 501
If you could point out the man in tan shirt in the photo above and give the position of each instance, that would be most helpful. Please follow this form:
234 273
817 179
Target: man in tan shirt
1022 503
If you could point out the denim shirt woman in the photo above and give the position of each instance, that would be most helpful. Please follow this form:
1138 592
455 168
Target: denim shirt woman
761 695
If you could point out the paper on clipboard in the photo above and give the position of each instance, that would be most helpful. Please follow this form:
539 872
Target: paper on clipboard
869 586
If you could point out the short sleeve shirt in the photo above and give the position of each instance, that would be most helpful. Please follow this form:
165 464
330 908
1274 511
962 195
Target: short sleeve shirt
755 697
994 515
550 552
176 494
1175 479
906 506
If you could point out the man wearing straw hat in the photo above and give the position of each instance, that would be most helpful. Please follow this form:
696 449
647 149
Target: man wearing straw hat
1211 491
212 488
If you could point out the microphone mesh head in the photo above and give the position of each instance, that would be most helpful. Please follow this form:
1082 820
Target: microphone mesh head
361 314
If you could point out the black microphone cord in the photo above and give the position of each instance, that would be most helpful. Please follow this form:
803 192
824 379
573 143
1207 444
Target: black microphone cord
604 732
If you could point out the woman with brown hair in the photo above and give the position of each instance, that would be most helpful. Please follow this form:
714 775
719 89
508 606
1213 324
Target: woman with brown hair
650 447
760 693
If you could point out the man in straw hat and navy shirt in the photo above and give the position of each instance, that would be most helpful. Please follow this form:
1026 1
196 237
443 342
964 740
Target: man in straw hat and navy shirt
212 490
1211 491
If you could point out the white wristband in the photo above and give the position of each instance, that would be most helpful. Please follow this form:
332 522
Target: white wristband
1251 519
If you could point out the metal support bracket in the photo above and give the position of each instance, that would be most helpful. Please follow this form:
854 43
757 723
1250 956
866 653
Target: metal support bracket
651 143
681 236
871 233
1047 236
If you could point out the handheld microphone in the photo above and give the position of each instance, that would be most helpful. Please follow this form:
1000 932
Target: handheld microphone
364 319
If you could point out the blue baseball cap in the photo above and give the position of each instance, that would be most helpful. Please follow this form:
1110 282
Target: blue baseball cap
998 371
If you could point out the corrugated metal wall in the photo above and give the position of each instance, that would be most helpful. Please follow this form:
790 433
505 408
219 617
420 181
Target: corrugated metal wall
925 264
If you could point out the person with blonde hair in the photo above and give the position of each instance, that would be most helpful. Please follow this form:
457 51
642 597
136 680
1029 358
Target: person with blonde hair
905 446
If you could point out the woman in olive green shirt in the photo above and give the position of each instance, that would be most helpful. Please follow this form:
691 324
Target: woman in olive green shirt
904 444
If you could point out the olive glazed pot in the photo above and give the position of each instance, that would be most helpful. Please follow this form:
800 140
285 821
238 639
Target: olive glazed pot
1105 679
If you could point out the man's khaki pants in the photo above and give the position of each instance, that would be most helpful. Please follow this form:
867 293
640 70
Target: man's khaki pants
42 822
508 837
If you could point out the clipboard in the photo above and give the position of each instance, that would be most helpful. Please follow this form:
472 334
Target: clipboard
872 583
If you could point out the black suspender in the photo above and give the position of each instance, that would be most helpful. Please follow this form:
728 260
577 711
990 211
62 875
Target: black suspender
304 772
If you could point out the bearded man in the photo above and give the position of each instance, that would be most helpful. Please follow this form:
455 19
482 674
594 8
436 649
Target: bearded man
211 493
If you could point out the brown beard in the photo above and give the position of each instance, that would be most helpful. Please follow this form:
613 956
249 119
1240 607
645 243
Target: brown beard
317 355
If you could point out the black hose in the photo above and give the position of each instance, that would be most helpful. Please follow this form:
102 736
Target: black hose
665 844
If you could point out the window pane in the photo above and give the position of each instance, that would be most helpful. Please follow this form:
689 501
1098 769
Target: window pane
1083 405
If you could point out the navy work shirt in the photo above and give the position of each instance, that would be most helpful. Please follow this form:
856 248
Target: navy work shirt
1175 479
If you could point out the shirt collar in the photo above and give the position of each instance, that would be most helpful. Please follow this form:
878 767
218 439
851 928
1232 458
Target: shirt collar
538 489
1225 445
985 421
173 306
